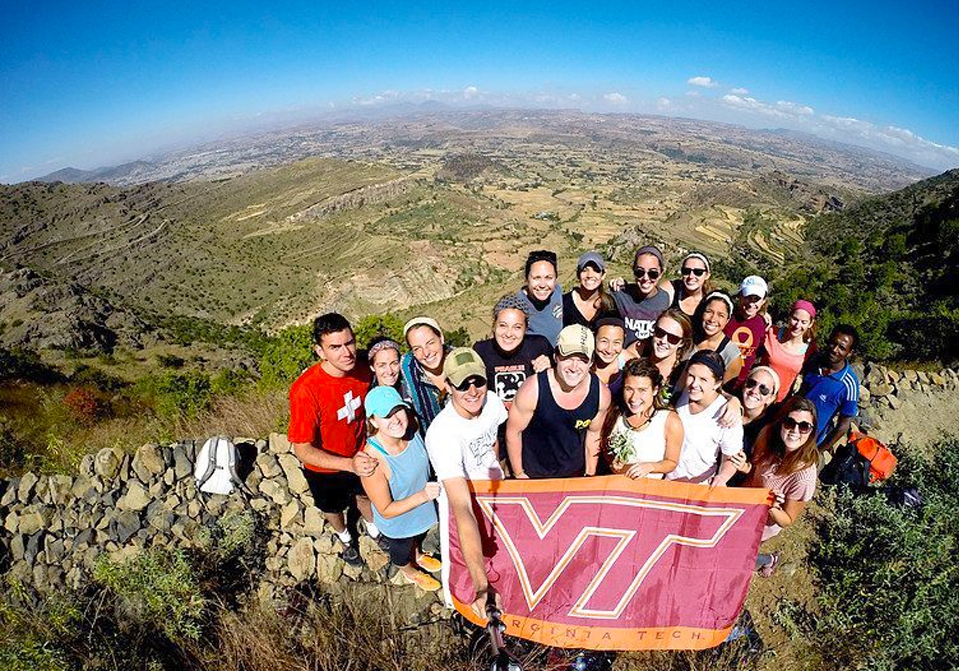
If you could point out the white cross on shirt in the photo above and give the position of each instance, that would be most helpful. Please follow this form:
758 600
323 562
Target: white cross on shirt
348 411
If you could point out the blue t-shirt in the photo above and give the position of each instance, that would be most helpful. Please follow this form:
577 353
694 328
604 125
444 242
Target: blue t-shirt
547 322
834 394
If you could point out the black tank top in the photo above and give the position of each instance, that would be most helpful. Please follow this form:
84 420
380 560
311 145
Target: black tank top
553 443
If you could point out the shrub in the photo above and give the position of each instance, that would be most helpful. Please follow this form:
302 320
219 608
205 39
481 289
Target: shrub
178 395
158 588
887 578
85 405
371 326
285 356
170 361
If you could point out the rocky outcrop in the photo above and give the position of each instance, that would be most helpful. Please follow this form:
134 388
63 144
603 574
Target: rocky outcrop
40 312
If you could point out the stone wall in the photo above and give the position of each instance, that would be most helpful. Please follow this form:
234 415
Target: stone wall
884 391
56 527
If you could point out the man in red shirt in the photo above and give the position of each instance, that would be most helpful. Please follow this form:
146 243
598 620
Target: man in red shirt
328 428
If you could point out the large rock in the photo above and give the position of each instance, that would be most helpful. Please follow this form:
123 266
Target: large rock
182 465
313 522
269 466
294 474
82 485
882 390
33 519
275 491
12 522
290 514
107 462
329 569
59 488
279 443
136 498
9 494
301 560
27 484
151 456
87 465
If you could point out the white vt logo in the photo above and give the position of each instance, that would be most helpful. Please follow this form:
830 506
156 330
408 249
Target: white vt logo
624 537
350 406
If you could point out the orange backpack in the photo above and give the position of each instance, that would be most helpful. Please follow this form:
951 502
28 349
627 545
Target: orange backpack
882 462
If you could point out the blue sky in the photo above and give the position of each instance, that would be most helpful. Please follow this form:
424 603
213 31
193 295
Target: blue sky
89 84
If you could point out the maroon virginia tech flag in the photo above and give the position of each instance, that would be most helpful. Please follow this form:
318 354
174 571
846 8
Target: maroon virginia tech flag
611 563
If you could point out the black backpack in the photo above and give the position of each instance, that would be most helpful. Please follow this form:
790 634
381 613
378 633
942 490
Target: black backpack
848 467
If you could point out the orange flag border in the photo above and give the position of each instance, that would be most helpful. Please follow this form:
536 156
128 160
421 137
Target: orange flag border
614 638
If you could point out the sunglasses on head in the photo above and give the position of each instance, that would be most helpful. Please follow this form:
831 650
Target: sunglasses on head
790 424
542 256
651 273
472 381
671 338
698 272
763 389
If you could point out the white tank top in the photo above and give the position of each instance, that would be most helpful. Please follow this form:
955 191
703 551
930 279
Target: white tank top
649 443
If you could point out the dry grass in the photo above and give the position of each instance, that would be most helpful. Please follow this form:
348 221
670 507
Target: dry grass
361 629
255 414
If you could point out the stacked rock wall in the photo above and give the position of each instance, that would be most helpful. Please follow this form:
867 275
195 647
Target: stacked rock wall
55 527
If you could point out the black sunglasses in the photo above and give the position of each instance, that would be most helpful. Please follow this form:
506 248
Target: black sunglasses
472 381
542 255
651 273
671 338
698 272
790 424
763 389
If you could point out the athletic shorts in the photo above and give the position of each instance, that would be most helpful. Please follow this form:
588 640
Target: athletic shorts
333 492
401 549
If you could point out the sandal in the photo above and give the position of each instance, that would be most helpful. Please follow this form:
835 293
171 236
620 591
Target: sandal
767 570
429 563
424 581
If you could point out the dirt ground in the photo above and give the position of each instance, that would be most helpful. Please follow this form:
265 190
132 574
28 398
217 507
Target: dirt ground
921 420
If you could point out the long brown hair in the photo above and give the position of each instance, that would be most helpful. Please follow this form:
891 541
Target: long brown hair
769 449
634 368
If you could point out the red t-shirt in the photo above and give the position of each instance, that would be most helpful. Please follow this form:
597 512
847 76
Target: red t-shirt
327 412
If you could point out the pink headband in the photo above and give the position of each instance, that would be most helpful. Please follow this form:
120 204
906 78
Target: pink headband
380 346
805 305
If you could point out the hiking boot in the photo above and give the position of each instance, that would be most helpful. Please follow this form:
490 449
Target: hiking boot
382 543
424 581
428 563
351 555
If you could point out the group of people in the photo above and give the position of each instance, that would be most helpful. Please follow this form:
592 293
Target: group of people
651 378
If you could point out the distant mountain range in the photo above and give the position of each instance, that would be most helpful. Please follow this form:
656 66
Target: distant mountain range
394 133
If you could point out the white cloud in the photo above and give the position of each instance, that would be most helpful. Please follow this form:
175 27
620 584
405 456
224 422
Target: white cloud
664 103
470 92
794 108
705 82
739 91
692 94
615 98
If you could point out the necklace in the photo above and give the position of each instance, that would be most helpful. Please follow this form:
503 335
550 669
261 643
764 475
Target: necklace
641 426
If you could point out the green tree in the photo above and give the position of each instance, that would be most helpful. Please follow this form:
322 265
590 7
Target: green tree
371 326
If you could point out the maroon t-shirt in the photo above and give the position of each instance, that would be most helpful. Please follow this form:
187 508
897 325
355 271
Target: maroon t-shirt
748 336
